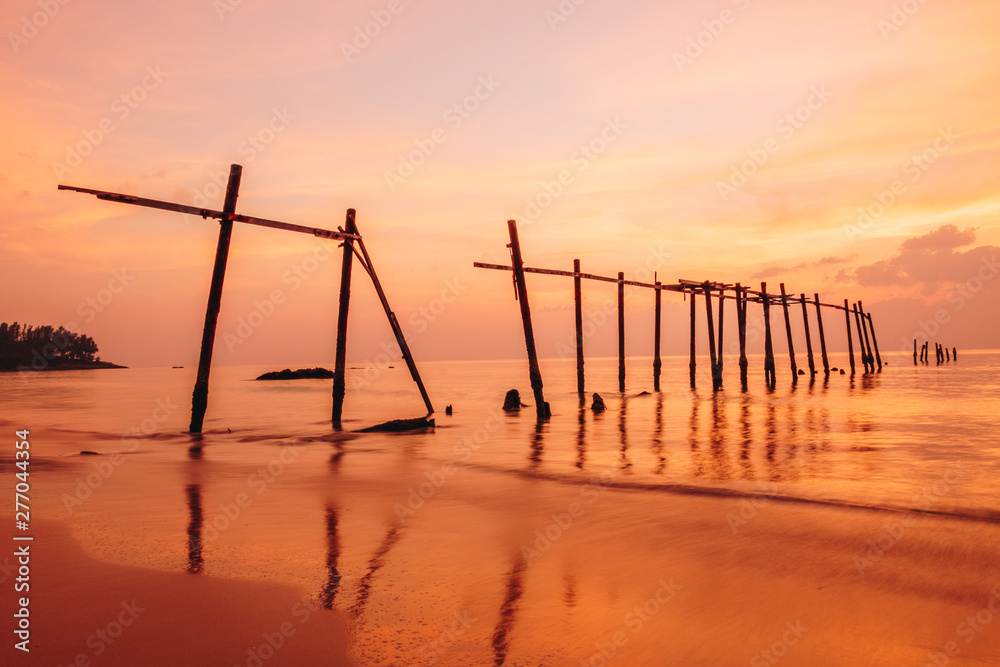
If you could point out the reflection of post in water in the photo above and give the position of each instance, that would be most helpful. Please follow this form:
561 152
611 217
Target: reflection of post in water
195 561
332 556
771 441
696 456
747 438
661 460
537 445
374 565
623 436
718 439
569 590
508 610
792 420
581 439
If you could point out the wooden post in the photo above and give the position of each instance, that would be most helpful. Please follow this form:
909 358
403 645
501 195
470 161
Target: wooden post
621 332
199 400
788 332
947 354
340 364
657 364
692 363
719 349
954 354
529 335
850 345
878 357
868 344
711 338
741 321
914 351
822 336
861 339
809 346
769 374
578 298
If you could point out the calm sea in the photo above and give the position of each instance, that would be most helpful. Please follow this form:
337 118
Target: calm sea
403 533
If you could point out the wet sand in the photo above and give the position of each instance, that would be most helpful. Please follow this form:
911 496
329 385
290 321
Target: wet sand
87 612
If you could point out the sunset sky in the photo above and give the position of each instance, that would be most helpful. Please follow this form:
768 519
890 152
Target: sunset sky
846 148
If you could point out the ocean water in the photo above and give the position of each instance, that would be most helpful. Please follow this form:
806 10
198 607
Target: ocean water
492 539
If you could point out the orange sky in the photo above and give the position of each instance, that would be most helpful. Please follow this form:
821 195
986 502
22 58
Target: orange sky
732 141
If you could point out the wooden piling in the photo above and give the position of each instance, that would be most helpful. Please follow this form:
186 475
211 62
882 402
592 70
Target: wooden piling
769 372
871 327
719 349
578 300
850 345
861 339
199 399
741 321
788 332
809 347
822 336
914 351
711 338
340 364
692 364
621 332
657 364
534 375
954 354
868 344
947 354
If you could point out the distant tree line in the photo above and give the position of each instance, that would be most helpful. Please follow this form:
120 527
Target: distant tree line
23 346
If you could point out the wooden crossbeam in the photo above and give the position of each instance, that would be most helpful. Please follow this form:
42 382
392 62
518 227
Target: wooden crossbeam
209 213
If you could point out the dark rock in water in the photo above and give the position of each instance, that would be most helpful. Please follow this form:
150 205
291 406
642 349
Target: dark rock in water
300 374
447 410
834 369
177 367
87 452
512 401
842 371
801 372
643 393
397 425
598 404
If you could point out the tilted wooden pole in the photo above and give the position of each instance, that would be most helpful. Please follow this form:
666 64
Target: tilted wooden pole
822 336
657 364
711 339
861 339
340 364
578 302
809 346
788 332
199 399
534 374
770 378
621 332
868 345
850 346
878 357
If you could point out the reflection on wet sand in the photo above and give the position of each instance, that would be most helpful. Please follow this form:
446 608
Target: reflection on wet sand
508 610
329 590
657 443
374 565
194 543
625 462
